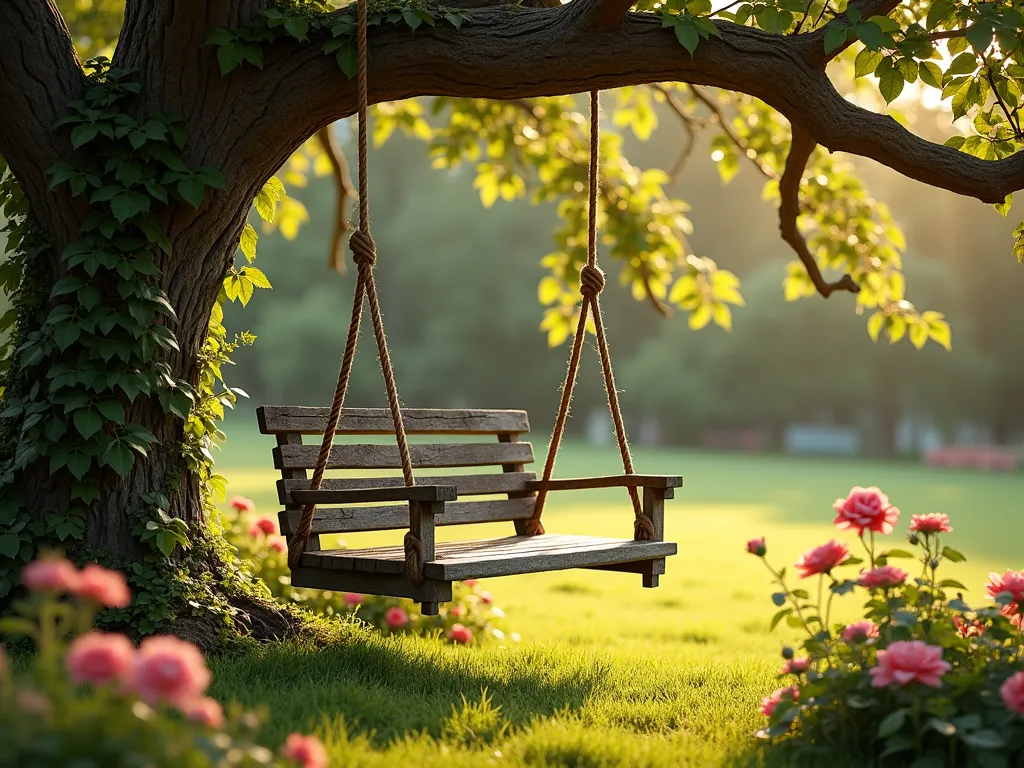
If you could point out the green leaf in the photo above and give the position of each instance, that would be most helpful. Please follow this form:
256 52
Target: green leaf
256 277
1003 208
119 457
166 542
870 34
248 242
10 543
297 27
78 464
890 85
952 555
898 553
779 598
892 723
128 203
964 64
686 34
191 188
87 422
229 57
83 134
930 73
984 739
412 20
867 62
779 617
939 11
836 36
348 59
112 411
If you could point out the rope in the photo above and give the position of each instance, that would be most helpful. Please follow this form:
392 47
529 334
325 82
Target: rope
591 284
364 254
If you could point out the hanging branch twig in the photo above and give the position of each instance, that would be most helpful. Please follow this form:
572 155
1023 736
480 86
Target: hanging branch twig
740 144
345 192
789 210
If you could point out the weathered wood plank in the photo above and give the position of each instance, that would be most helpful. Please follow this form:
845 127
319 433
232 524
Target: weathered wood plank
536 562
377 421
612 481
465 485
296 475
500 557
425 455
431 591
371 495
655 566
353 519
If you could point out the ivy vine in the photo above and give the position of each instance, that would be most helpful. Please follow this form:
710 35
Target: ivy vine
80 351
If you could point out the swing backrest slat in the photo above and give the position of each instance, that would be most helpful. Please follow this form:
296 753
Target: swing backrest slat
507 457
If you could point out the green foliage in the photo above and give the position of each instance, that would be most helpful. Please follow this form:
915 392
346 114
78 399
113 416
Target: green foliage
99 338
841 697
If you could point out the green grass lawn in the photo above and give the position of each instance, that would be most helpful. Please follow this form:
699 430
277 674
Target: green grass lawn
607 673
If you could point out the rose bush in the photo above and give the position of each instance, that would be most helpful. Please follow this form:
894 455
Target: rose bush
92 699
924 680
471 616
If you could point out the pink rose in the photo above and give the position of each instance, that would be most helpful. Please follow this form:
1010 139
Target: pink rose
471 583
50 574
1012 693
796 666
908 661
457 610
822 559
860 631
98 658
353 599
460 634
204 710
485 598
882 577
307 751
262 525
396 617
277 544
1011 581
757 547
105 587
169 669
865 509
769 703
242 504
933 523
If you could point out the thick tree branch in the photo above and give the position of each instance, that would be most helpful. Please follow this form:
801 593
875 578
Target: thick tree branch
595 16
345 192
39 75
789 210
528 53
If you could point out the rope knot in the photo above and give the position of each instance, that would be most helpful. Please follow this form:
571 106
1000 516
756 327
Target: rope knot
364 250
413 558
591 280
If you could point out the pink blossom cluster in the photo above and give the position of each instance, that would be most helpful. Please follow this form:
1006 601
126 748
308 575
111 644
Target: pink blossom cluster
163 670
264 525
93 583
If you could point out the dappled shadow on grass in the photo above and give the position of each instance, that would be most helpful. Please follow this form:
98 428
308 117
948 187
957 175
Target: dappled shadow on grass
388 688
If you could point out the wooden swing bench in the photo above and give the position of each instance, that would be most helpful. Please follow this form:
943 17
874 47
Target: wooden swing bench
362 503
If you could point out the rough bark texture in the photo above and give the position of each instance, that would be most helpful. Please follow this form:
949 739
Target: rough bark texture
248 123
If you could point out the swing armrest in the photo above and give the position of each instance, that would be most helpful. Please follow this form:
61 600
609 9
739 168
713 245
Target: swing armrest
428 493
612 481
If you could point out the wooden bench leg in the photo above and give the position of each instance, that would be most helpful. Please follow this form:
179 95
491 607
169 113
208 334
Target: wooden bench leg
654 509
421 523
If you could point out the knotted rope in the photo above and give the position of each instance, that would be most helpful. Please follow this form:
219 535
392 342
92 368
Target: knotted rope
364 254
591 284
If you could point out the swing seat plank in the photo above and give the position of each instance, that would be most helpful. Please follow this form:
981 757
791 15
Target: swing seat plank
496 487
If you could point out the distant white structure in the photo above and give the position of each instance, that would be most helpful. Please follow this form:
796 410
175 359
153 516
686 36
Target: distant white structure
815 439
